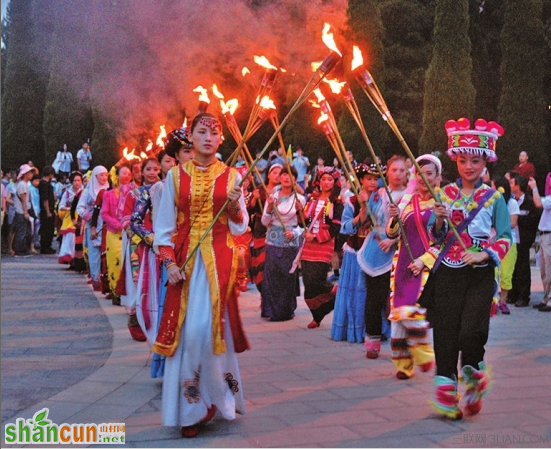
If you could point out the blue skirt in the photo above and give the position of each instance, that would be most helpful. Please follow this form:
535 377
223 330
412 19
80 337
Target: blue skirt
348 317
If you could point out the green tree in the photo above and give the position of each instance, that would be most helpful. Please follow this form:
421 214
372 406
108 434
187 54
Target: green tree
366 31
24 88
6 27
522 107
408 27
67 112
449 92
485 28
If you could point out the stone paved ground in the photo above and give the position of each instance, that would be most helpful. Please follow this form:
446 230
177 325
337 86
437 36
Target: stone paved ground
54 333
304 390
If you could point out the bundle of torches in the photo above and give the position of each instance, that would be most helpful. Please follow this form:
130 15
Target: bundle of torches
264 110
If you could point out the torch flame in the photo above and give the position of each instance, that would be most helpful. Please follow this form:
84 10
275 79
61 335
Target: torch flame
283 70
315 66
143 155
358 59
184 125
319 95
216 92
263 62
149 146
245 71
314 104
323 117
267 103
336 87
328 39
161 138
202 94
229 106
129 156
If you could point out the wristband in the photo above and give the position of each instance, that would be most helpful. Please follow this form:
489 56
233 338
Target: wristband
169 263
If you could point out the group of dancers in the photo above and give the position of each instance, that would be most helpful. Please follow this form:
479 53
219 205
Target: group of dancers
179 253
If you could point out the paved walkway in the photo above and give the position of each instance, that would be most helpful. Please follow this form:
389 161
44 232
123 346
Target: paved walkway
304 390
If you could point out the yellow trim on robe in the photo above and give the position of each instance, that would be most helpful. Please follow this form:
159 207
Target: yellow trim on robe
202 215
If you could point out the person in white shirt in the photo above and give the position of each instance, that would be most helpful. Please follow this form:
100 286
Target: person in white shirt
21 221
544 229
84 158
63 161
301 164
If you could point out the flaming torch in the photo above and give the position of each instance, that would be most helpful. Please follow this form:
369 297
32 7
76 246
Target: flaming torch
228 109
269 105
323 70
349 100
339 148
204 99
370 88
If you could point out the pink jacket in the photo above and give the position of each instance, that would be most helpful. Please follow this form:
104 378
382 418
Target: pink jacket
109 212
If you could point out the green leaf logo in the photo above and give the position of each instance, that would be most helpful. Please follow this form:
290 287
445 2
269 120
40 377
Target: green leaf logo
40 418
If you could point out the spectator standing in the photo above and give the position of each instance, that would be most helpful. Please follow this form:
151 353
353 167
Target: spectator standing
301 164
528 219
34 212
350 157
261 167
544 228
63 161
21 220
3 197
47 207
524 168
316 169
277 157
507 266
84 158
10 194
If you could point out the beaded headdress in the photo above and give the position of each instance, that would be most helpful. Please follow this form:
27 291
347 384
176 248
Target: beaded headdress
478 141
369 169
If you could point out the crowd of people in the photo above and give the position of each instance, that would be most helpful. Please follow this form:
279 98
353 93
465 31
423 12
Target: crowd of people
156 236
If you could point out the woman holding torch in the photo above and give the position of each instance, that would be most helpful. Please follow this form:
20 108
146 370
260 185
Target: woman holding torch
375 256
348 319
279 289
200 330
411 339
323 218
463 280
258 248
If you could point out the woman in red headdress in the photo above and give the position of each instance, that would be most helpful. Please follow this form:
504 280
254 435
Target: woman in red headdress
200 330
460 297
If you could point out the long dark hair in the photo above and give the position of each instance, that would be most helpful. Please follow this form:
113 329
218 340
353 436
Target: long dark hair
500 181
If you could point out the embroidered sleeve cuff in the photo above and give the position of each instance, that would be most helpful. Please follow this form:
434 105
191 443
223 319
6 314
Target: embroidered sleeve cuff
235 215
393 229
167 254
498 250
428 259
149 239
436 238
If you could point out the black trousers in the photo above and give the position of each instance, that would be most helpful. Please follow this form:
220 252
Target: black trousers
378 292
22 231
46 231
461 318
522 276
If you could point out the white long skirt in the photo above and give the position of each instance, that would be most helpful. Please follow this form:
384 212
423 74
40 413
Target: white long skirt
128 300
67 247
194 377
152 304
